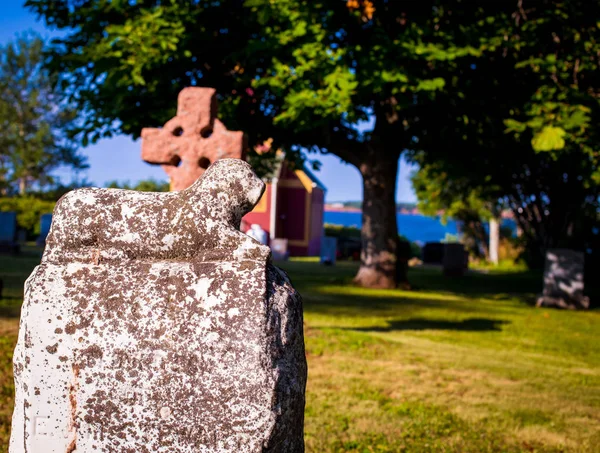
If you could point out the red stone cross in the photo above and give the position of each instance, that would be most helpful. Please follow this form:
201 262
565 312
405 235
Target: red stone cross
192 140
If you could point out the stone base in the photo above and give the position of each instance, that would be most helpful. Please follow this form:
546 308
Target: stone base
582 303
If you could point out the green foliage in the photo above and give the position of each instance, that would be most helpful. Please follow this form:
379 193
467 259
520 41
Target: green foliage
500 99
450 238
55 191
454 198
514 125
34 118
302 73
548 139
29 211
146 185
337 231
341 231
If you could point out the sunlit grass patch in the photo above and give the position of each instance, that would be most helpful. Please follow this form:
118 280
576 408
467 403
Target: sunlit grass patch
459 365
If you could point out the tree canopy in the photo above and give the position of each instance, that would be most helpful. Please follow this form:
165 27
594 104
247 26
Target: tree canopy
300 73
34 119
145 185
516 124
500 96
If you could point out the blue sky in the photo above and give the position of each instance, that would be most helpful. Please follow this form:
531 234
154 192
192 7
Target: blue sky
119 158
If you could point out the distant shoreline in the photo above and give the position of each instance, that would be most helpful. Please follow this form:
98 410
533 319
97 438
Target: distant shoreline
406 211
413 211
415 227
341 209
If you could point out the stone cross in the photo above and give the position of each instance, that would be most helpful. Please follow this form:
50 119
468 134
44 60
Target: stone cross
153 325
189 142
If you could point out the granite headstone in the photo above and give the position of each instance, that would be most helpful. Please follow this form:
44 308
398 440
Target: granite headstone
8 226
328 250
8 232
456 260
153 325
563 280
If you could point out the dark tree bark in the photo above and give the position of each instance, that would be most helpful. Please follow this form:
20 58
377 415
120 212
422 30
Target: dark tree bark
379 234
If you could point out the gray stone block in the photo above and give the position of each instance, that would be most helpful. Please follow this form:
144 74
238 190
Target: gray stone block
563 280
153 325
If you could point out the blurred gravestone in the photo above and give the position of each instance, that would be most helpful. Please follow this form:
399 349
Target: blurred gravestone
349 248
257 233
402 257
45 224
21 236
563 280
8 232
8 226
456 260
433 253
328 250
279 249
154 325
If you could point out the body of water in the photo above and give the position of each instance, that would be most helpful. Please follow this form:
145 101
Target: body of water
415 227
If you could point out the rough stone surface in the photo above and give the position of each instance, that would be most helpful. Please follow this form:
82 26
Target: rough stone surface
188 143
563 280
153 325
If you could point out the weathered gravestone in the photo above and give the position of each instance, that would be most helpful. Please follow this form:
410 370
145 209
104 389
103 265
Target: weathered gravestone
433 252
153 325
456 260
279 249
328 250
45 224
563 280
189 142
8 232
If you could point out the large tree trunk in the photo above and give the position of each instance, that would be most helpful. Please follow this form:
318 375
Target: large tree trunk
379 235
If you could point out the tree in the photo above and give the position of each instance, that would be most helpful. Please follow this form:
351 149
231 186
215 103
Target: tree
145 185
303 73
437 194
517 122
34 118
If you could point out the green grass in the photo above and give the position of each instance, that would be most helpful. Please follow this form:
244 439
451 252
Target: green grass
456 365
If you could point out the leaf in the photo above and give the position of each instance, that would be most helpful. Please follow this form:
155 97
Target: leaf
514 125
578 119
431 84
548 139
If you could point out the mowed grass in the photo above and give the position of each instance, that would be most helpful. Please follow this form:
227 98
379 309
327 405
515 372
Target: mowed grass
13 271
456 365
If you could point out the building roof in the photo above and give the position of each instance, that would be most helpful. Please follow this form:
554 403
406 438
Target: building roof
313 178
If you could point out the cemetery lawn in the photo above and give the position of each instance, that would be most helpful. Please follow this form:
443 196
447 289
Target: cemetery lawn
465 365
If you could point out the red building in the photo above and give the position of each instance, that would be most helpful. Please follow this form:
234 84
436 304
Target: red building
292 208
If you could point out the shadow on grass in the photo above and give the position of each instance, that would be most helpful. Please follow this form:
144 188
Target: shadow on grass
321 301
498 286
524 285
470 325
